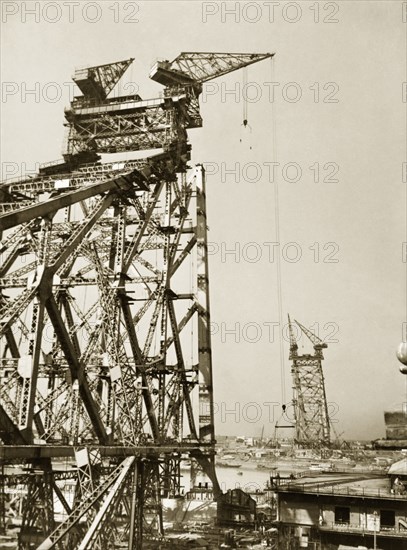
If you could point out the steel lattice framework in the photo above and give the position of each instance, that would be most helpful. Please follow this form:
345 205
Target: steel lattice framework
310 405
105 320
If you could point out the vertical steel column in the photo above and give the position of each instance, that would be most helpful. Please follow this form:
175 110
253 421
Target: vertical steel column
206 415
136 512
38 506
29 370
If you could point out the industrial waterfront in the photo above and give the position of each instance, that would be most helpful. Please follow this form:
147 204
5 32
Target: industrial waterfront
196 256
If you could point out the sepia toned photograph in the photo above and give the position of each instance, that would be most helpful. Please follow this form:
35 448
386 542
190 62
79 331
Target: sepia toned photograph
203 275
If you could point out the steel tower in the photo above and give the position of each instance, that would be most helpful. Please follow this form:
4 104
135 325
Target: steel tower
105 337
310 406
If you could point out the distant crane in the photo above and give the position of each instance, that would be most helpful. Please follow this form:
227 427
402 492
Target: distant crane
312 427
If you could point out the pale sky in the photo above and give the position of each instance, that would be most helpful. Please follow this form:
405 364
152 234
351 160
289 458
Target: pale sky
348 118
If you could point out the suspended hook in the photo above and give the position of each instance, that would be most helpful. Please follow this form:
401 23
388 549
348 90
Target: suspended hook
245 123
246 126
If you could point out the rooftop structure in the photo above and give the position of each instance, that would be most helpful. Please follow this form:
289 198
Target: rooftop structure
323 512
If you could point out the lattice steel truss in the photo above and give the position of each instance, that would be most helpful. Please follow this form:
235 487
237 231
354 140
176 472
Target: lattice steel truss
105 322
312 426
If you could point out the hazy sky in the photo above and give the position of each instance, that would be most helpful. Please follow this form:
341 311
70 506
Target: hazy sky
336 113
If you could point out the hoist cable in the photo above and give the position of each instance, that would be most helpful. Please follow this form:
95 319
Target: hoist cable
244 96
277 234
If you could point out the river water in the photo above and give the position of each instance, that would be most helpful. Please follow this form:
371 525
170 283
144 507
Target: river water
247 477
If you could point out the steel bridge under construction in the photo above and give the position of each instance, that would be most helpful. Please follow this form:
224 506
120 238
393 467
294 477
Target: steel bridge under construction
105 336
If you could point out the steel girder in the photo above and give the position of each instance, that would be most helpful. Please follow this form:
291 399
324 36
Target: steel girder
106 343
129 126
104 320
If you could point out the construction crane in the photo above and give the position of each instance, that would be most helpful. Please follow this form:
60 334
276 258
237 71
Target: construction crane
312 427
98 124
96 83
105 344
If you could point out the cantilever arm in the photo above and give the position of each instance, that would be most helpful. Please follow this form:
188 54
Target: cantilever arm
199 67
311 336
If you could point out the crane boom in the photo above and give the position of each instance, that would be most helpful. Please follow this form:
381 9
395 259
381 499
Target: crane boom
199 67
293 341
316 341
97 82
